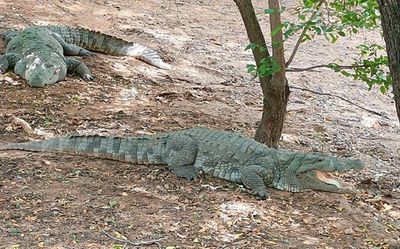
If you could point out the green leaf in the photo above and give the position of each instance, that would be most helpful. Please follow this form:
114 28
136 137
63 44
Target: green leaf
269 11
251 68
251 46
318 30
346 73
277 29
306 37
335 67
275 44
262 49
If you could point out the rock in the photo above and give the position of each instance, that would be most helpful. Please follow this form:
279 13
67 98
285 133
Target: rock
289 138
370 122
349 231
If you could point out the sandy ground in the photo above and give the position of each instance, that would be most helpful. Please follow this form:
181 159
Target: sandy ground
58 201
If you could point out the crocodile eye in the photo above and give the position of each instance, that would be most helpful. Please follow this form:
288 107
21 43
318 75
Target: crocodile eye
47 65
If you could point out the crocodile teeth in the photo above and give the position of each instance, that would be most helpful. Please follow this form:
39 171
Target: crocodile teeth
323 177
343 186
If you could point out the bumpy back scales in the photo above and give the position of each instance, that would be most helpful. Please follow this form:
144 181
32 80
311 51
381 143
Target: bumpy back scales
108 44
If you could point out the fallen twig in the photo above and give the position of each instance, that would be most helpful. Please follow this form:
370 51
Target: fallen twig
25 125
340 97
135 243
23 18
153 195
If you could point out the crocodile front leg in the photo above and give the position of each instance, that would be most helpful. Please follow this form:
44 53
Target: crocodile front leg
76 66
256 178
180 156
8 61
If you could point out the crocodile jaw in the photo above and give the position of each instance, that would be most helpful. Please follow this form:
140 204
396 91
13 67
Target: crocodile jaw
328 180
322 181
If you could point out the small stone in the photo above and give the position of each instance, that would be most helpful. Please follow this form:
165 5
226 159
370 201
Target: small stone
11 81
349 231
370 122
289 138
8 79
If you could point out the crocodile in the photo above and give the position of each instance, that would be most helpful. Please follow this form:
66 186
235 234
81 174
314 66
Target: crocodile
225 155
38 53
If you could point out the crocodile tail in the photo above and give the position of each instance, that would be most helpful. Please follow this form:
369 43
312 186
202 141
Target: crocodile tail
96 41
143 150
45 145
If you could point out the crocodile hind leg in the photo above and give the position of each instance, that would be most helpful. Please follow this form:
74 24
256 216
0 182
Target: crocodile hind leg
180 156
8 61
76 66
72 49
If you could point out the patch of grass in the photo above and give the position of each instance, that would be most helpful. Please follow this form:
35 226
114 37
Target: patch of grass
18 205
75 238
15 232
113 203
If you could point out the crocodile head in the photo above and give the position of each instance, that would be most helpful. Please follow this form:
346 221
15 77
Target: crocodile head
39 71
311 171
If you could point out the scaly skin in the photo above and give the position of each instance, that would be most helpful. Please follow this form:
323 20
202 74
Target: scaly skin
224 155
38 53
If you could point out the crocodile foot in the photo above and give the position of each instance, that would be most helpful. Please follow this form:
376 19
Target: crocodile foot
188 172
261 193
87 53
88 77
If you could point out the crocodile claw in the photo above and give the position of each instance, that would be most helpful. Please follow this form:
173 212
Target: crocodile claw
261 193
88 77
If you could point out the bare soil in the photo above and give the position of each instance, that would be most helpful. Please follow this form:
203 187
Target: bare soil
58 201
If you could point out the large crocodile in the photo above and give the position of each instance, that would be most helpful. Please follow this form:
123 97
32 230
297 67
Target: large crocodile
225 155
38 53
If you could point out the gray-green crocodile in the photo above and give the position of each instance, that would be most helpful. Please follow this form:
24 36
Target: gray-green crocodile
221 154
38 53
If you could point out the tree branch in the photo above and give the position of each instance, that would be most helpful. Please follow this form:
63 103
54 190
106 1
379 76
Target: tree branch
301 69
255 34
278 52
135 243
303 33
339 97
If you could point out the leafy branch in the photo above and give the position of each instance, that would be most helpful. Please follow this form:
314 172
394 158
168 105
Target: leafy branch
303 33
268 66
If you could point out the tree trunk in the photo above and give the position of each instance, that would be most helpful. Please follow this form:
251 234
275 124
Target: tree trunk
275 88
390 12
